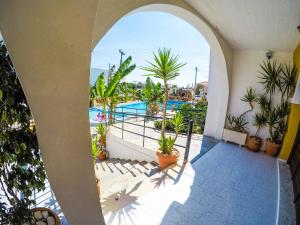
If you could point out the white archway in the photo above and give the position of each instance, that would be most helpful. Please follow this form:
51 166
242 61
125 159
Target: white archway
50 44
220 56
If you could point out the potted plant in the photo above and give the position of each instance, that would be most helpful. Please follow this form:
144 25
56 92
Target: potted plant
254 142
95 155
102 142
235 130
165 67
167 154
282 78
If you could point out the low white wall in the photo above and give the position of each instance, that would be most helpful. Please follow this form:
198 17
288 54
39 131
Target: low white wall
119 148
245 71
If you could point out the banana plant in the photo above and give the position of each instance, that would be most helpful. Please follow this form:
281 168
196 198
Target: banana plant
105 92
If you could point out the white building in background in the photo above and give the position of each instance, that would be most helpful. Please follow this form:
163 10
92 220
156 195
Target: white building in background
95 72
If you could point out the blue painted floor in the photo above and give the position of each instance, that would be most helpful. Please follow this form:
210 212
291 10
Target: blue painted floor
228 185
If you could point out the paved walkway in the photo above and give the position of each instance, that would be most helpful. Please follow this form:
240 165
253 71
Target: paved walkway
229 185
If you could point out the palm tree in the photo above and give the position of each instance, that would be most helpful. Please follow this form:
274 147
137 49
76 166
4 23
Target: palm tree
165 67
106 93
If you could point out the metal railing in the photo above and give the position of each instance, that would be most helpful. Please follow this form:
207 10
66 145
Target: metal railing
125 119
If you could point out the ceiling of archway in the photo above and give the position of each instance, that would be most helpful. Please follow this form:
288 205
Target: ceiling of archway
254 24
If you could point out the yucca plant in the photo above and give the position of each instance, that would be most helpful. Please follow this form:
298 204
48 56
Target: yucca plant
237 123
265 103
165 67
288 80
270 76
259 121
166 144
250 97
272 120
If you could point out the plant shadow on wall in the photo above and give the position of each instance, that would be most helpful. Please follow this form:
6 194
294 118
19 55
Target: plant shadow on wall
271 110
21 168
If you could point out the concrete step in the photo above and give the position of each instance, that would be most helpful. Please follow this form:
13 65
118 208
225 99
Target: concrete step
118 175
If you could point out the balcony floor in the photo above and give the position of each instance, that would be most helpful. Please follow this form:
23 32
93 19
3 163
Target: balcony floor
228 185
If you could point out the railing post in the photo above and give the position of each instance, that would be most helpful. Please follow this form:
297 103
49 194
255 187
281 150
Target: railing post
122 122
136 119
188 141
144 132
115 114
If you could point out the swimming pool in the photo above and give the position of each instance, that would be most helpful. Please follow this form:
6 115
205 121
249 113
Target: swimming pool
135 107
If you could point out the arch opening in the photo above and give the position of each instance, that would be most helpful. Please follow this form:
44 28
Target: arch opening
220 55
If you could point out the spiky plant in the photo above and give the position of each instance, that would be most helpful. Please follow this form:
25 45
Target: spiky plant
236 123
265 103
250 97
259 121
272 122
165 67
288 80
270 76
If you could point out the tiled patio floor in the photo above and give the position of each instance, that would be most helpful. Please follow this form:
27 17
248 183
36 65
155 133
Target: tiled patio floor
228 185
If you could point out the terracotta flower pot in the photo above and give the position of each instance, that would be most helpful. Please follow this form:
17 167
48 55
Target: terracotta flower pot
272 148
102 156
254 143
166 160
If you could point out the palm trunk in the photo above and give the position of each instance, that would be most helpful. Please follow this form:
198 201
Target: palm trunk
163 125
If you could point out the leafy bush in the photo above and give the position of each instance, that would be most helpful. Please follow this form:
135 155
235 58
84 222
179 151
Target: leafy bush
21 167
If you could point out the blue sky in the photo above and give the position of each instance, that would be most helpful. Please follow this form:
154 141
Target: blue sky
141 33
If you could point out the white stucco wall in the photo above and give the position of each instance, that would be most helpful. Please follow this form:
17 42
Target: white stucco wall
244 74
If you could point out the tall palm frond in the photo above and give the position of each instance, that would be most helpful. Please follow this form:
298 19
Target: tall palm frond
165 66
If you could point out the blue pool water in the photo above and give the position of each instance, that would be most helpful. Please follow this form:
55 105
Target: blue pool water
136 107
